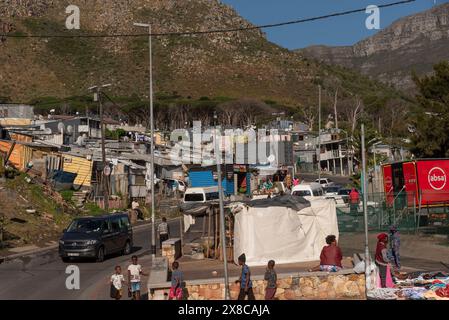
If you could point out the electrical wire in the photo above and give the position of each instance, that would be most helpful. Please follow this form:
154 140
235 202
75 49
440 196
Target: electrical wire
214 31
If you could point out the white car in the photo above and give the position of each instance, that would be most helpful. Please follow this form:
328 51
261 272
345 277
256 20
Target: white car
309 191
201 195
325 182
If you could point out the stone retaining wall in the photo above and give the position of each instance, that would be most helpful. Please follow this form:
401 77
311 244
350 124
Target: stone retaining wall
317 285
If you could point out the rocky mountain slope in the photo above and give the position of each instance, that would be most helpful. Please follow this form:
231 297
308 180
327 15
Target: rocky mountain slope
411 43
241 64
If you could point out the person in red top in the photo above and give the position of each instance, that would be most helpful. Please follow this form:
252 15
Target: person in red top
381 257
354 199
331 256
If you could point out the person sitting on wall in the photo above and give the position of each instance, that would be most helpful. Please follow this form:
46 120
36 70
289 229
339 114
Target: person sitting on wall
331 256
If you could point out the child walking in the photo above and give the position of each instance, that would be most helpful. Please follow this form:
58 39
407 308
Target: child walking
117 280
271 278
246 285
176 282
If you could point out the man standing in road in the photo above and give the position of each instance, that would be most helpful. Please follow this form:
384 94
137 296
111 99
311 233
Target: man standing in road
134 273
354 199
163 231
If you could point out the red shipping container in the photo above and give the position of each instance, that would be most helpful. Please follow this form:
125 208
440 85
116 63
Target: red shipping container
433 181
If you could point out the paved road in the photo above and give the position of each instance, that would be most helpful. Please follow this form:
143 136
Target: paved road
310 177
43 277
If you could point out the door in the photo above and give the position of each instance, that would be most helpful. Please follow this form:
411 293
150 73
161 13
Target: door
107 237
117 234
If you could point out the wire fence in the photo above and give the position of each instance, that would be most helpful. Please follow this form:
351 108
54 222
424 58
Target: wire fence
408 211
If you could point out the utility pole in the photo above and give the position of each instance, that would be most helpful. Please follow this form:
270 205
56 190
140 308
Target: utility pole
104 181
153 228
222 216
365 210
319 134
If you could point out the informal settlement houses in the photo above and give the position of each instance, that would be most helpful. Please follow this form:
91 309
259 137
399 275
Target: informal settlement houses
65 151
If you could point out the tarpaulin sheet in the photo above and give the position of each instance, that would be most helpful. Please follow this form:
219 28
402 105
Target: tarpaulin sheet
282 233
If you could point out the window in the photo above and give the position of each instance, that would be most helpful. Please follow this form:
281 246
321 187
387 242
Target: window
193 197
302 193
115 223
124 222
212 196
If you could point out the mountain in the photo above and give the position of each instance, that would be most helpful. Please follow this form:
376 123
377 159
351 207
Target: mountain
412 43
239 64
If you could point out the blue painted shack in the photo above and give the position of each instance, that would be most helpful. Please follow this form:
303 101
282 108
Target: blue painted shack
207 177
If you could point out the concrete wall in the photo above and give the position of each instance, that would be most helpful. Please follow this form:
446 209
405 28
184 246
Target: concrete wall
299 286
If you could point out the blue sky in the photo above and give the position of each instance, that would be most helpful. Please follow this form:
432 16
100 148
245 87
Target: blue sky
345 30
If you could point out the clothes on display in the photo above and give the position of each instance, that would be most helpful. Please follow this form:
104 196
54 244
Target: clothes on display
415 286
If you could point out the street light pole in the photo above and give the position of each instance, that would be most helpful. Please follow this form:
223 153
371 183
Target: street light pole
103 151
222 216
319 134
153 229
365 210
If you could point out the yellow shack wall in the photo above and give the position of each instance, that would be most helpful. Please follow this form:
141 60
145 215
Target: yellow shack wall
81 166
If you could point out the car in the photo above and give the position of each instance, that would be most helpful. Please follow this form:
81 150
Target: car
332 191
309 191
201 195
342 197
174 184
325 182
96 237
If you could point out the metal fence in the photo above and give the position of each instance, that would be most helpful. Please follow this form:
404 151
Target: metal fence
405 210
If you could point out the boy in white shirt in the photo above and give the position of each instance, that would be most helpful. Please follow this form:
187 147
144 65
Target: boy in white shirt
134 272
117 280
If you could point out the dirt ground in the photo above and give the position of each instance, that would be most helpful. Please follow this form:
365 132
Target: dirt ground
21 228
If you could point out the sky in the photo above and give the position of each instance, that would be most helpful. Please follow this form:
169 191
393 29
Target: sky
337 31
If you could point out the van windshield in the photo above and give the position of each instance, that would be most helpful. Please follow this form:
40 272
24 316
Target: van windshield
193 197
302 193
85 225
212 196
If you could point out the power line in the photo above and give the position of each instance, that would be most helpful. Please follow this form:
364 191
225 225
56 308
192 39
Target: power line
189 33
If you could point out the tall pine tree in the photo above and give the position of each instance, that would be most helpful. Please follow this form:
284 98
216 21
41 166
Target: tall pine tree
431 118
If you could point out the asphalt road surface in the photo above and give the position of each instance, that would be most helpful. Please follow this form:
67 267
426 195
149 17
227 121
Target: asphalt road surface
311 177
43 277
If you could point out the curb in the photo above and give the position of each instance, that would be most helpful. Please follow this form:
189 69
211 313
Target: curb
55 246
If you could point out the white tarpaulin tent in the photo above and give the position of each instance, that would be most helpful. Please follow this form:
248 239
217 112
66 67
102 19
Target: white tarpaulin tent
283 233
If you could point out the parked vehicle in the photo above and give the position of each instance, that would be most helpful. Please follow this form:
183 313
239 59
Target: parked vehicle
332 191
201 194
421 182
310 191
175 184
96 237
325 182
342 197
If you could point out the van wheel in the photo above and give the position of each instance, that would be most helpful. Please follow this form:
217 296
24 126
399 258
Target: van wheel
100 254
127 249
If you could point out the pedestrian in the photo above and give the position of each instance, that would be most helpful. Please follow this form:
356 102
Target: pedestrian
381 258
163 231
177 279
117 281
246 285
134 282
330 257
395 243
354 199
271 278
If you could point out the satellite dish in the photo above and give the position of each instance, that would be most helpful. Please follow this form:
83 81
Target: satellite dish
48 131
61 127
69 129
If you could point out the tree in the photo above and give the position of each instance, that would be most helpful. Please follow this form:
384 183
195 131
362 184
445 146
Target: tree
430 137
